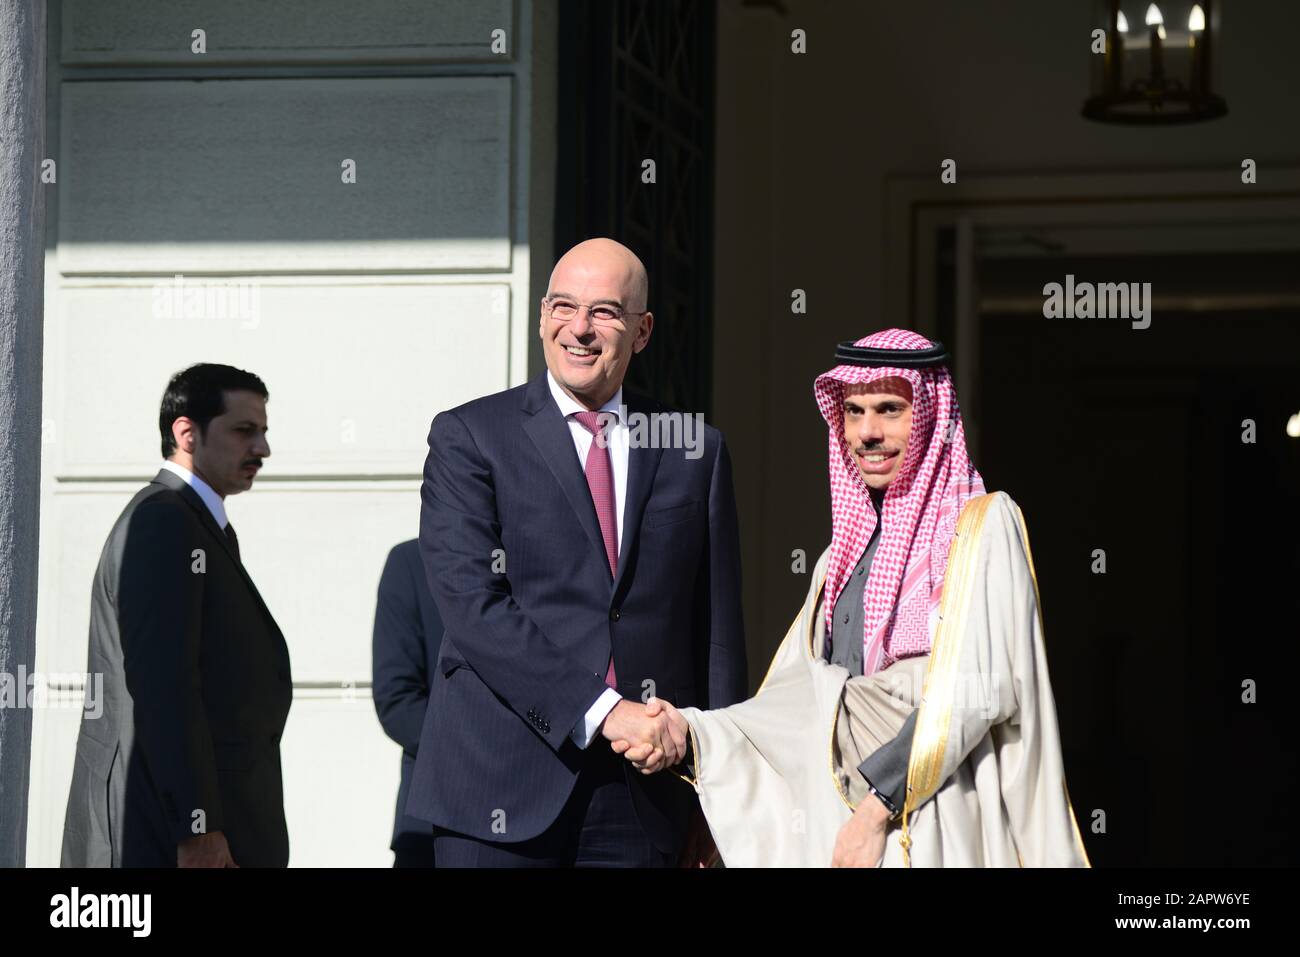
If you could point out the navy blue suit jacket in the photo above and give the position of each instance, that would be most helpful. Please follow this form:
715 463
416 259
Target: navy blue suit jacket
526 649
406 638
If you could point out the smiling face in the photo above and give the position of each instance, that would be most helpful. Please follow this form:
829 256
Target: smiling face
589 358
229 453
877 425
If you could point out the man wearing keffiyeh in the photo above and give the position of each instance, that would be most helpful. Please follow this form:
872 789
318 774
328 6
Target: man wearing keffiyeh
899 477
881 661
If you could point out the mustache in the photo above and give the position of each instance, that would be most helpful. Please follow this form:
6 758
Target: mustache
257 462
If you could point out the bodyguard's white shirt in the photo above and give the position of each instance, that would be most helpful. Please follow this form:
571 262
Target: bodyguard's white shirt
617 443
210 498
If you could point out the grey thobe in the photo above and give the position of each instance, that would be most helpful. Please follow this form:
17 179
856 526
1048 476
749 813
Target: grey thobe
885 769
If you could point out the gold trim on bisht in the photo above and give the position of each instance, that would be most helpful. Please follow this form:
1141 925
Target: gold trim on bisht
934 716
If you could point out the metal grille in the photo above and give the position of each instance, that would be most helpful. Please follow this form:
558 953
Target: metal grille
636 83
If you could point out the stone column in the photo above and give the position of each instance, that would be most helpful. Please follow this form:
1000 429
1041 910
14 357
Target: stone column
22 277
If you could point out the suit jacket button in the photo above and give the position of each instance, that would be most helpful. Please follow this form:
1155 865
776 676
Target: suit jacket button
615 614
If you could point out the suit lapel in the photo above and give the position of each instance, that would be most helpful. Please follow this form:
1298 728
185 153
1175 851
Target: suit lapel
191 497
642 464
178 484
549 431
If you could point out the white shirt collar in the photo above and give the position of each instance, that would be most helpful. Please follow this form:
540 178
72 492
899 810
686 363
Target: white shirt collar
569 405
210 498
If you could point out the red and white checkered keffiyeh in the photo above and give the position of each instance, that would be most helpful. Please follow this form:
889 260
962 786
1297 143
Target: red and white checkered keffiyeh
919 509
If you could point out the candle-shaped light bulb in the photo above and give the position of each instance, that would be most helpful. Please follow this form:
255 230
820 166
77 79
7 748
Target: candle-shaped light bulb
1196 33
1115 54
1155 26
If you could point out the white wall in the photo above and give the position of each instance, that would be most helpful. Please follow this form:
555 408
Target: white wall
380 304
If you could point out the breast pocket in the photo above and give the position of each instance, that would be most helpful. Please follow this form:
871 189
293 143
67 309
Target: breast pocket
659 517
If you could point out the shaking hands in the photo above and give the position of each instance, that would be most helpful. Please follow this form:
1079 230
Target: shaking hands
652 736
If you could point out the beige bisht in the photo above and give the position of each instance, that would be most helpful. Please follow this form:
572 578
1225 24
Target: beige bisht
777 774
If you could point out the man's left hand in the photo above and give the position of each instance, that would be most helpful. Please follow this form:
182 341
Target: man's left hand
861 841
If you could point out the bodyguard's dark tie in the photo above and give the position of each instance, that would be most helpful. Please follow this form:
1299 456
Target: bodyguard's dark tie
600 480
234 541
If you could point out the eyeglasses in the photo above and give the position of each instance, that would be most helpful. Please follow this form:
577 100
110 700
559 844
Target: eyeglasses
602 314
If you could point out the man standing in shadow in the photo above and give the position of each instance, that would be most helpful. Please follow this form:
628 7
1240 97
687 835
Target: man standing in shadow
407 635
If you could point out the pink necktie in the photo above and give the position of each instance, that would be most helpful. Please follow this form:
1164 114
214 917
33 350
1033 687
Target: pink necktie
600 480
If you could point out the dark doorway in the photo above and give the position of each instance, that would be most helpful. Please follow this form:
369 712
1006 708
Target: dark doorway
636 83
1131 442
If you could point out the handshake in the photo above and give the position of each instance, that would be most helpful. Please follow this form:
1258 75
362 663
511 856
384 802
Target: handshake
652 736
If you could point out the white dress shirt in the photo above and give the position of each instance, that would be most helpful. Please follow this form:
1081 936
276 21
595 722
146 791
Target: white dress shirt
210 498
617 443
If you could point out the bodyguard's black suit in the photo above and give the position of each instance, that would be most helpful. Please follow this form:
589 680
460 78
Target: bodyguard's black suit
407 635
196 693
525 650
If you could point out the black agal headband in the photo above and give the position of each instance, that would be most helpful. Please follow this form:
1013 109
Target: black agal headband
846 353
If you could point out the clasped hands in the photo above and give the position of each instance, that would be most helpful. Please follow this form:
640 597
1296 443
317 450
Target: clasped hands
652 735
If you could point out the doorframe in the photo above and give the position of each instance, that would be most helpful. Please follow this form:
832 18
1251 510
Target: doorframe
916 208
1166 204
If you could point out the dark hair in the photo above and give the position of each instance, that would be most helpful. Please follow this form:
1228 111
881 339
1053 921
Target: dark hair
198 393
